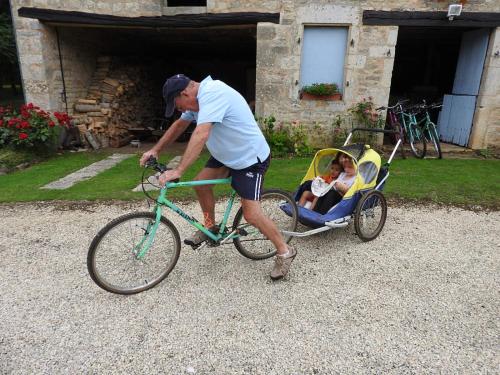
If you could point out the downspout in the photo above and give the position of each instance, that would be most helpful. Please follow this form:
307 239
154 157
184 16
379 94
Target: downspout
63 93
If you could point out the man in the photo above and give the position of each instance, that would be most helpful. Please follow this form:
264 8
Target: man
237 146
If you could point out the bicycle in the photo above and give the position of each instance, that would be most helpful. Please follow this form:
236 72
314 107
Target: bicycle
136 251
411 132
428 128
392 123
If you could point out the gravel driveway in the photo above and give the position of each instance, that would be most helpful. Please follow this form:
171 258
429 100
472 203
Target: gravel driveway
422 298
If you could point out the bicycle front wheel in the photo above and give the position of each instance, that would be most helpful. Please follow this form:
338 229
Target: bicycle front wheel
252 243
417 141
117 261
434 139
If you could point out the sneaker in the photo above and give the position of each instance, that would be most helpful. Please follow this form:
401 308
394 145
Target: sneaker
198 237
282 264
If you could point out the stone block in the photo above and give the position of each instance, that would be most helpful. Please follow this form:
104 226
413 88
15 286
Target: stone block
266 31
381 51
356 61
393 37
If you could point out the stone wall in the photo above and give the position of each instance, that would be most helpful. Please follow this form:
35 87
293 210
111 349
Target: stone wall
486 130
368 64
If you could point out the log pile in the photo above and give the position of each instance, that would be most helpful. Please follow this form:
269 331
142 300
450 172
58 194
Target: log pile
117 106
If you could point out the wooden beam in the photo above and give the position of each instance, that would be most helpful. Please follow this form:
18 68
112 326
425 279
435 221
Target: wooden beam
62 17
410 18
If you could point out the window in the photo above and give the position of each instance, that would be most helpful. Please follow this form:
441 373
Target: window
368 171
323 55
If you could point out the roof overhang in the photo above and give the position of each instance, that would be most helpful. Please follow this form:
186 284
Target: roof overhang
69 18
411 18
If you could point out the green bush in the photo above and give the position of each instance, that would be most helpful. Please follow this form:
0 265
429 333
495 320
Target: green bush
286 139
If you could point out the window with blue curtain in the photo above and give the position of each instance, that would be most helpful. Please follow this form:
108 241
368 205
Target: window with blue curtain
323 55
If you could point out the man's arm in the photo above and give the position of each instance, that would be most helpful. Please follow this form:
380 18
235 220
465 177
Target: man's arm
173 132
193 150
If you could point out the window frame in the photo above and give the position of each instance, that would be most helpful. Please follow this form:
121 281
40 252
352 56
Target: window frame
348 26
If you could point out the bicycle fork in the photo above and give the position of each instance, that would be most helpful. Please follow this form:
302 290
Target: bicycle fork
141 249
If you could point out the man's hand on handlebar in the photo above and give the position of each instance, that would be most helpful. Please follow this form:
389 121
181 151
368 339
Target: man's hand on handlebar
145 157
169 175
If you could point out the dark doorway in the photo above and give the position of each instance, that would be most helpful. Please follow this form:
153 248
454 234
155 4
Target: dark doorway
146 57
11 92
425 62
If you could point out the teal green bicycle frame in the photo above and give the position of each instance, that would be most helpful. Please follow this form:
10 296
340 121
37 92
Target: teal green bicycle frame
409 122
150 232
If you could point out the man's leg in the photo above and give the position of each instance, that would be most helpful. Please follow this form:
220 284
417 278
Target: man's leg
205 193
253 214
207 202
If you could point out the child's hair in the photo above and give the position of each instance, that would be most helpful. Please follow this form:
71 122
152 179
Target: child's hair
336 161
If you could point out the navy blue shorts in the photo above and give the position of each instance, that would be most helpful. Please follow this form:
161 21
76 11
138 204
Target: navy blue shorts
247 182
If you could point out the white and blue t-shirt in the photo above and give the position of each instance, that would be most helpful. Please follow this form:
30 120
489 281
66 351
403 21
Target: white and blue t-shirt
235 140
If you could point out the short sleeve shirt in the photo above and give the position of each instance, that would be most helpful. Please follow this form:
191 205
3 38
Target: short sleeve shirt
235 140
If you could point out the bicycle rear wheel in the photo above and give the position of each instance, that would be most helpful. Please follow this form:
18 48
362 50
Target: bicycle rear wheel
417 141
113 259
252 243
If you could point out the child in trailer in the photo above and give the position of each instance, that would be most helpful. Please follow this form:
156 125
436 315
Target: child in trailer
308 199
342 184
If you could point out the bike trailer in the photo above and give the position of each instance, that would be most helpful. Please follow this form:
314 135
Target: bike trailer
367 163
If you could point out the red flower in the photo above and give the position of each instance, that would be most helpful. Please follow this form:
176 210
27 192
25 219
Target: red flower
12 122
25 124
52 124
23 136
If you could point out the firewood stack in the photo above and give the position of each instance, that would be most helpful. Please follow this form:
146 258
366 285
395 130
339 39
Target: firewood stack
118 104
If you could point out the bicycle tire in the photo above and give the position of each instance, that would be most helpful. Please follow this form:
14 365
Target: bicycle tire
365 209
400 136
254 245
418 145
433 135
119 235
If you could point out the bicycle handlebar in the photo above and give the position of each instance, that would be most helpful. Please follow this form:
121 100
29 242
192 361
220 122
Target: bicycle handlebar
400 102
153 163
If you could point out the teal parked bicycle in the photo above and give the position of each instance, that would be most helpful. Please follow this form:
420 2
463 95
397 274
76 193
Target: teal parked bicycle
136 251
427 127
411 131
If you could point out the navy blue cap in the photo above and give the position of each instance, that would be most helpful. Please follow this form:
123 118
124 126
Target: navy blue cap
173 87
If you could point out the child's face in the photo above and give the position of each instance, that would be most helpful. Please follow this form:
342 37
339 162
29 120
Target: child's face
335 170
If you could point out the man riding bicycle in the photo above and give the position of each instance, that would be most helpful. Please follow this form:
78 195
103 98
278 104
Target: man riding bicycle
238 149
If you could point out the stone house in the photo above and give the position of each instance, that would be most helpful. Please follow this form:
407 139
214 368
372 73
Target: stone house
269 49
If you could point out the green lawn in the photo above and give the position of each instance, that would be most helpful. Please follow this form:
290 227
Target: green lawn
454 181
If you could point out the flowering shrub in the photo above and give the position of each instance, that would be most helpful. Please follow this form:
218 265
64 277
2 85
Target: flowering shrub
30 126
364 113
286 139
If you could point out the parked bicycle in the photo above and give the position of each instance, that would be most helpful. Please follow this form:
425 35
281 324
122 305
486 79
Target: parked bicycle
410 131
136 251
392 124
428 128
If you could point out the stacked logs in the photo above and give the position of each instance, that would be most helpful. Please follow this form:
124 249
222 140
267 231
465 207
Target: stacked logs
117 107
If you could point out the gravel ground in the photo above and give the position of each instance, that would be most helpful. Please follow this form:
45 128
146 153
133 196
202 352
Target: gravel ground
421 298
